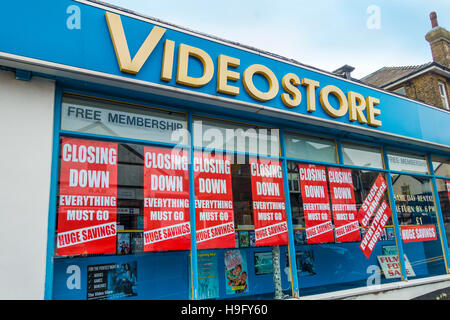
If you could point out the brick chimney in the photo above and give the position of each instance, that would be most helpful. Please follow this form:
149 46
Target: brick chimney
439 39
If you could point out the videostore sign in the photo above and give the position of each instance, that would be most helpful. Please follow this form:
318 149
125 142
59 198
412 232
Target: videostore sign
269 208
213 201
166 199
87 197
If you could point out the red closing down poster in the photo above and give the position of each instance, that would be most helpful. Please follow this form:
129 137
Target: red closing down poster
373 233
166 199
372 200
87 197
213 201
316 203
269 208
343 205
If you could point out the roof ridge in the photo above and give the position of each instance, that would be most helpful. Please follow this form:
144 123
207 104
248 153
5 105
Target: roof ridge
386 68
410 66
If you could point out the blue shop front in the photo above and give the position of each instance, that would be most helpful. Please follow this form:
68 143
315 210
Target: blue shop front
186 166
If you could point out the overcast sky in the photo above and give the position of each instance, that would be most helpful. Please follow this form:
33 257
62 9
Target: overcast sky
366 34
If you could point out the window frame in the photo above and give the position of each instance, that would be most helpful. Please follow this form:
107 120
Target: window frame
369 146
443 94
313 136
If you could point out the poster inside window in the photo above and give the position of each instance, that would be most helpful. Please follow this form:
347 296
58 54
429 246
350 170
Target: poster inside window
166 199
350 249
316 203
87 197
419 225
213 200
269 208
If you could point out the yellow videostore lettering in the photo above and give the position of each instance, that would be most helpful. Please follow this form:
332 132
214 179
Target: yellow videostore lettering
352 104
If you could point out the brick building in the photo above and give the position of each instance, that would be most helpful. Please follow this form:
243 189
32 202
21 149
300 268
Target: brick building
429 82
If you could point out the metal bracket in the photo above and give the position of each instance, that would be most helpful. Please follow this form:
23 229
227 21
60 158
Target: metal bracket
23 75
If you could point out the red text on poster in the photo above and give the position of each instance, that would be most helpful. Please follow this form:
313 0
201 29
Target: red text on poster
375 230
166 199
343 205
87 211
416 233
269 208
316 203
213 201
372 200
390 265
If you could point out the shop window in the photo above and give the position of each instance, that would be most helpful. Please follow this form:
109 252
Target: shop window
122 120
242 196
405 162
441 167
362 156
246 267
240 214
235 137
111 199
419 225
443 186
332 215
310 148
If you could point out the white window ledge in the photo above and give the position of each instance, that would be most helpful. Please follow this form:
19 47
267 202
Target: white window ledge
431 283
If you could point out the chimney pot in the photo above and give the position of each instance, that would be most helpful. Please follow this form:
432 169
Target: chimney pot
434 21
344 71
